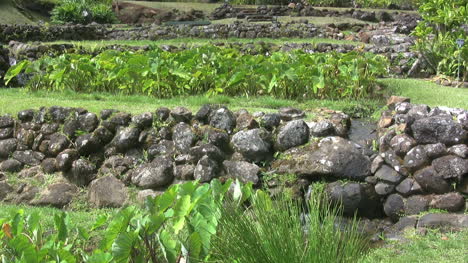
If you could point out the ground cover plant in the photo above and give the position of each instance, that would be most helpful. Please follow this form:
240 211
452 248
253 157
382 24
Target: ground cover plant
208 70
185 222
444 21
83 12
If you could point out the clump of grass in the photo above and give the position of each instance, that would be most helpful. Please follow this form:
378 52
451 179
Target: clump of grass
284 230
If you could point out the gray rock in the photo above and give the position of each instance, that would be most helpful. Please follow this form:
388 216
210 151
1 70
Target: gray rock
143 195
181 114
394 206
164 147
460 150
6 133
117 166
332 156
451 166
82 172
88 122
438 129
290 113
158 173
416 158
254 145
87 144
402 144
409 187
206 170
6 121
457 221
416 204
321 128
223 119
394 161
355 197
452 202
7 147
203 113
388 175
58 143
162 113
126 138
66 158
246 121
294 133
376 164
435 150
11 166
213 152
144 120
431 181
28 157
184 172
5 189
384 188
57 195
183 136
35 171
26 115
218 138
270 121
418 112
49 165
107 191
244 171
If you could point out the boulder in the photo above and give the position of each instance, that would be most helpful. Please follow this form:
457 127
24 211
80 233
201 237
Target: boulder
11 166
5 189
321 128
246 121
416 158
181 114
254 145
28 157
431 181
87 144
331 157
144 120
290 113
49 165
7 147
57 195
183 136
82 172
270 121
394 206
158 173
416 204
402 144
244 171
384 188
66 158
388 175
126 138
184 172
223 119
460 150
206 170
88 122
162 113
213 152
452 202
355 197
6 121
293 134
107 191
451 166
143 195
164 147
58 143
409 187
438 129
457 221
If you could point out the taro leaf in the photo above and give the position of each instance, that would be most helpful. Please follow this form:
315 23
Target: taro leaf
123 246
16 70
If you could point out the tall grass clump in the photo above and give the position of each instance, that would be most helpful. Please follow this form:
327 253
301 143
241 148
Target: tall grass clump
284 230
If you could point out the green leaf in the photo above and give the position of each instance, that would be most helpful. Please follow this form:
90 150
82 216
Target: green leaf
15 70
123 246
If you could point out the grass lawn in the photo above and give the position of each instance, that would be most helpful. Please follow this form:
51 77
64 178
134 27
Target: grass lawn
200 41
312 19
435 247
210 7
420 91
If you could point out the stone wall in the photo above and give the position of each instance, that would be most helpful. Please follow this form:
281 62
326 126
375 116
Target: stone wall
4 63
423 158
55 150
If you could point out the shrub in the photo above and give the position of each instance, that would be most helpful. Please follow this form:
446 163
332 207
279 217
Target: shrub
444 21
281 230
209 70
83 12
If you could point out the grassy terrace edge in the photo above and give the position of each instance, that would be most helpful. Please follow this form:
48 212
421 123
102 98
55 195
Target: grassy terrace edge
420 91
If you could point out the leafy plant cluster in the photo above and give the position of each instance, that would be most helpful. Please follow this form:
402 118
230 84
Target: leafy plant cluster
83 12
192 223
366 3
209 70
444 21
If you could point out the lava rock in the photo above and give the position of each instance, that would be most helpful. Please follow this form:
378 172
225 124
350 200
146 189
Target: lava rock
254 145
321 128
183 136
394 206
11 166
451 166
438 129
244 171
49 165
270 121
66 158
82 172
460 150
431 181
451 202
206 170
416 158
57 195
409 187
7 147
246 121
144 120
107 191
213 152
184 172
126 138
181 114
402 144
388 175
416 204
58 143
293 134
223 119
158 173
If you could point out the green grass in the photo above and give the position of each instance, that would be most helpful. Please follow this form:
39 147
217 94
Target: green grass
9 14
140 103
435 247
428 93
419 91
209 7
312 19
199 41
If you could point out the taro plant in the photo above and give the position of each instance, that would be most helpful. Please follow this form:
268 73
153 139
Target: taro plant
444 21
209 70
